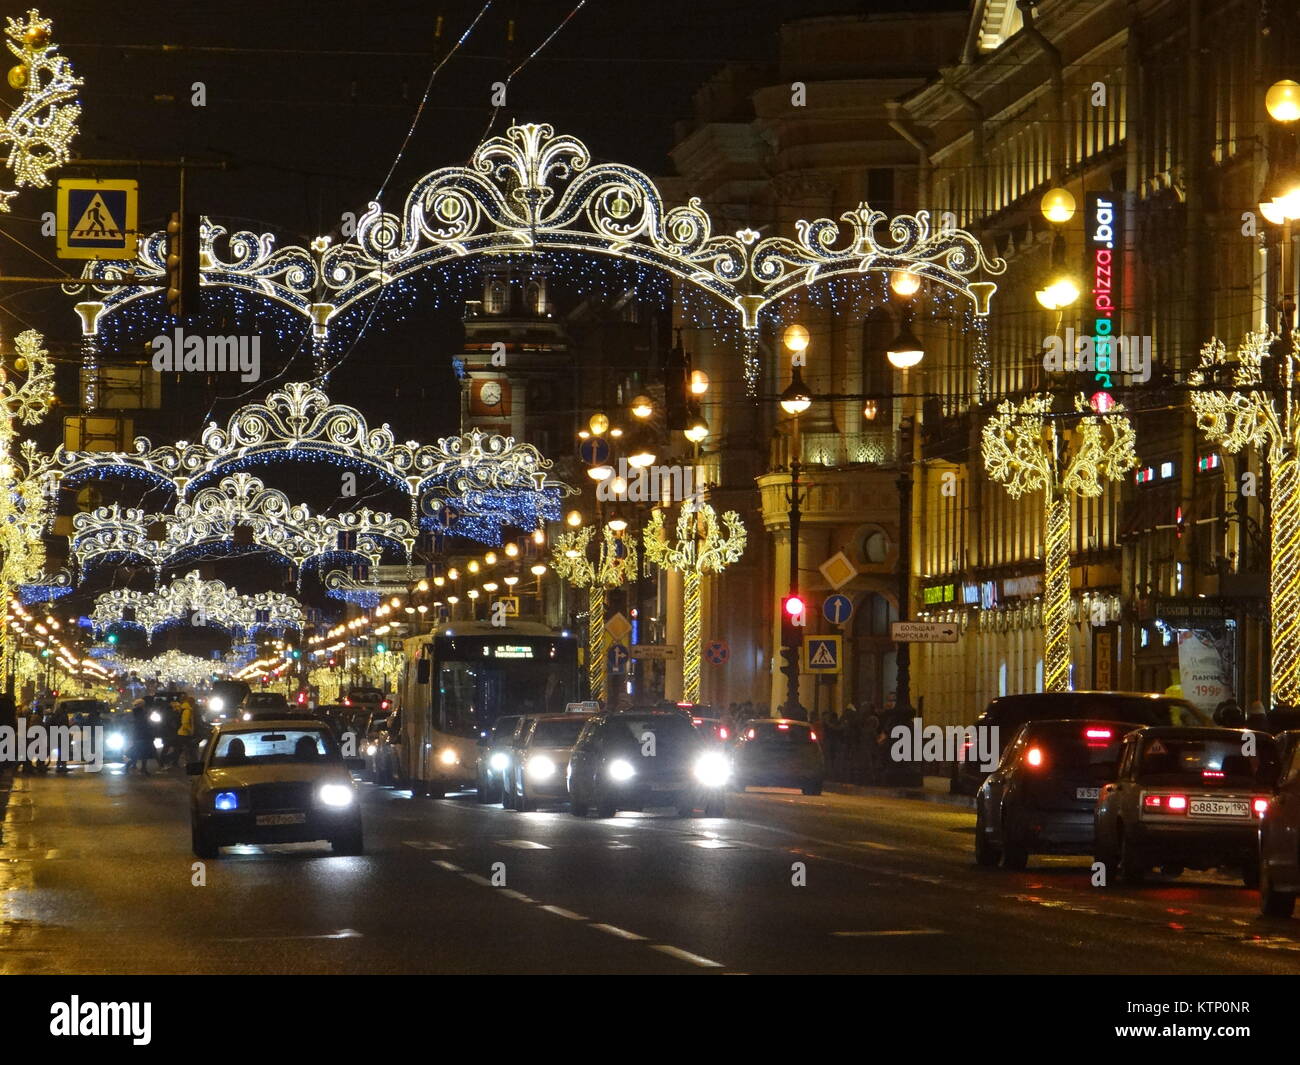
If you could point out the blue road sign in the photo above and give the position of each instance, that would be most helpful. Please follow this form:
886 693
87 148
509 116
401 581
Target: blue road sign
594 451
822 654
618 657
837 609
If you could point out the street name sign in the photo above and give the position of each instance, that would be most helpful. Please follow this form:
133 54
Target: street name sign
924 632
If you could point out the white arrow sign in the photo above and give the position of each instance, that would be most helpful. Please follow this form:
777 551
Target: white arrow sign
924 632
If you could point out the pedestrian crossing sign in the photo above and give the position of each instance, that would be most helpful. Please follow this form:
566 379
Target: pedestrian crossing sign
96 219
822 654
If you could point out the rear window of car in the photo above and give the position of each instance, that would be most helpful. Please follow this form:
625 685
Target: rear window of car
778 732
1091 749
265 699
1013 712
82 706
1206 761
557 733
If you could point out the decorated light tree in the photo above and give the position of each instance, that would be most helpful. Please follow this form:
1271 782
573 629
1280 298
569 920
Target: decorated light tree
595 567
1248 400
40 129
700 547
1026 451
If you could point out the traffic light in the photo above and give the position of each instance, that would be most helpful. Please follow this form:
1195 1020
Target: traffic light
789 660
792 621
112 637
380 647
182 264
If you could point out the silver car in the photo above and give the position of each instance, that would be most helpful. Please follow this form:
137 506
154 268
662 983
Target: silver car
539 769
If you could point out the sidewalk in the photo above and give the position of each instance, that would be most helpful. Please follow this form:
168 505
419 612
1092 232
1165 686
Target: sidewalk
935 790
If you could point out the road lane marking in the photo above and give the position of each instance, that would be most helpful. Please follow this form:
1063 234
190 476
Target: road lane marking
894 932
511 893
475 878
622 933
426 845
451 867
560 911
686 955
523 844
872 844
346 933
712 844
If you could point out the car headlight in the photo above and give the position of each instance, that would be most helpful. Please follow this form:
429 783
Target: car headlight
448 756
116 741
621 769
156 718
215 703
712 770
371 749
226 800
157 745
541 767
499 761
335 795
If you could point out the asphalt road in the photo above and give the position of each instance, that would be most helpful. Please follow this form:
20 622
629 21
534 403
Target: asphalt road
96 876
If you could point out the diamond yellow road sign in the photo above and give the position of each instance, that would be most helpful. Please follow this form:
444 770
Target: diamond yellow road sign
96 219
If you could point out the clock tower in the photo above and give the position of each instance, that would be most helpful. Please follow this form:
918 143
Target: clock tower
517 378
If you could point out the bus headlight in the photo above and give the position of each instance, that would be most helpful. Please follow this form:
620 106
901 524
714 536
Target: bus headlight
541 767
621 769
712 770
448 756
335 795
499 761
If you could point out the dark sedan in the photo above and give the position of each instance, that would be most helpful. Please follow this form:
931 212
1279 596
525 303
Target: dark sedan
778 753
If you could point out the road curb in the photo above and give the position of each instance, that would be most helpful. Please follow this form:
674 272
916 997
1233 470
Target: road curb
966 802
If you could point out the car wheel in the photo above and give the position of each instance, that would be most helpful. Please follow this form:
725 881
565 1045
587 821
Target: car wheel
202 844
605 808
1015 855
1132 865
432 792
351 843
813 789
986 854
482 794
523 804
578 809
1273 903
716 807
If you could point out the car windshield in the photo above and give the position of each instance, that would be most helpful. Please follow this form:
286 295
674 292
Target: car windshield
557 733
671 732
1208 761
269 748
504 728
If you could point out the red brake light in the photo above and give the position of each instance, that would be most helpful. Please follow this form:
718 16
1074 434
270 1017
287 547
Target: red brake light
812 735
385 705
347 702
1034 757
1098 733
749 735
784 728
1260 806
723 734
697 720
1212 773
1177 803
1151 801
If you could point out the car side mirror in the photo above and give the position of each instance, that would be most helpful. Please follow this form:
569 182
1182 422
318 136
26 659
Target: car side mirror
194 769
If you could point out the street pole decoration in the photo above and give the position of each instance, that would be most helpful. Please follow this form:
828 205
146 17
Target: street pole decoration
1260 411
700 547
571 562
1024 452
40 129
25 478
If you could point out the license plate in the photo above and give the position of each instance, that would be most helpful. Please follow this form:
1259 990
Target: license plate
1086 793
281 819
1219 808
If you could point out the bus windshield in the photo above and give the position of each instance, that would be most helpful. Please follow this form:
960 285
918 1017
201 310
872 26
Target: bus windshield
481 678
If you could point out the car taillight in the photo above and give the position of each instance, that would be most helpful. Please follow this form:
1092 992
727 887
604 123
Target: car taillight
723 734
749 735
1260 806
697 721
1153 802
784 728
1176 804
1098 733
385 705
1034 757
812 736
1212 774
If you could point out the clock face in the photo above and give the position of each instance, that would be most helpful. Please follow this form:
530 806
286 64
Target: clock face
492 397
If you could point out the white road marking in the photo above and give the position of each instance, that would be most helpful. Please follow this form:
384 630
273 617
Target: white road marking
346 933
873 845
614 930
523 844
712 844
895 932
451 867
560 911
511 893
475 878
426 845
686 955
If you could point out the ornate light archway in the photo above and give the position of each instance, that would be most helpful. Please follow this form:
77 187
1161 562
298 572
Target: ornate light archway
216 603
532 190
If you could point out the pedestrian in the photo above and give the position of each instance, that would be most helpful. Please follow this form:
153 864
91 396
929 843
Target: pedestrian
1257 718
1228 714
185 731
141 738
872 745
60 733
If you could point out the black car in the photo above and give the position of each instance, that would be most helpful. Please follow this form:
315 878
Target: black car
1009 712
634 759
1041 797
778 753
264 706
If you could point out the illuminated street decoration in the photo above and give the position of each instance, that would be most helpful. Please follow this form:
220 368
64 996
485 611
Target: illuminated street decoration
1024 452
700 547
532 190
45 587
1260 411
199 602
39 130
487 480
572 561
211 522
170 667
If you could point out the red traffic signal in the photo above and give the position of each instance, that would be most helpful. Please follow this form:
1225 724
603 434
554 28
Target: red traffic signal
793 605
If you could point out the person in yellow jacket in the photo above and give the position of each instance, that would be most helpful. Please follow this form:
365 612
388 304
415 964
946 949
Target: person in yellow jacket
185 731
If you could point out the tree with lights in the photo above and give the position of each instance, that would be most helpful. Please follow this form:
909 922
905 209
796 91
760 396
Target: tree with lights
1256 407
700 547
594 567
1025 452
39 130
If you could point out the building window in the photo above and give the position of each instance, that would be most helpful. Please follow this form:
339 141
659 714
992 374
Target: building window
877 373
496 298
880 189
